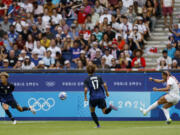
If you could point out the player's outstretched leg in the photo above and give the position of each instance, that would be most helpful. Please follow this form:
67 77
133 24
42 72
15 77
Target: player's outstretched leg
8 113
151 107
10 116
109 109
22 109
94 117
161 101
166 112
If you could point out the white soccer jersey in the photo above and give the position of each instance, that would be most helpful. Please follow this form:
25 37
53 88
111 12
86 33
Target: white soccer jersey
174 90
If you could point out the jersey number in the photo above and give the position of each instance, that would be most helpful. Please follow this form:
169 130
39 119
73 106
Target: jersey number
95 84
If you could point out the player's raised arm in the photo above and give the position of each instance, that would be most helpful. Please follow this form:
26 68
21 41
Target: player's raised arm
162 89
157 80
106 89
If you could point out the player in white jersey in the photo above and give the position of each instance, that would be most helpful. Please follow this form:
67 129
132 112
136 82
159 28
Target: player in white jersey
171 98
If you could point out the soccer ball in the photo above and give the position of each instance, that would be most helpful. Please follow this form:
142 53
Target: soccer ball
62 95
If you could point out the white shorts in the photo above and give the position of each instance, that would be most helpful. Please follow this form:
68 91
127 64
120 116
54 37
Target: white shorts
172 99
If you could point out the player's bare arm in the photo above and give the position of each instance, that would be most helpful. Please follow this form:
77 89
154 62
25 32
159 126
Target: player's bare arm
162 89
106 89
157 80
85 93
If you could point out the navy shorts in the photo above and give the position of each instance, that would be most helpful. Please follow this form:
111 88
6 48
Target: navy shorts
100 103
9 101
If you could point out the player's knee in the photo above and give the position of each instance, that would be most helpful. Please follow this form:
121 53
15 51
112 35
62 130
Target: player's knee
20 109
104 111
5 107
160 102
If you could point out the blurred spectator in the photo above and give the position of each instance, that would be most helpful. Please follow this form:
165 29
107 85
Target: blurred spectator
177 58
45 42
38 48
23 54
48 60
27 64
18 64
12 58
3 9
114 64
124 61
83 58
5 24
56 18
97 58
41 65
30 43
170 50
5 64
57 65
166 58
75 50
175 64
162 65
67 65
59 58
12 34
20 42
167 9
108 57
80 65
151 12
176 32
76 32
53 48
103 64
38 9
127 3
136 38
35 58
7 43
110 33
138 61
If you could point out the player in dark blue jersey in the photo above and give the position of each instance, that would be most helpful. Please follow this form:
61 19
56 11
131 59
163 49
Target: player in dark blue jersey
7 98
98 92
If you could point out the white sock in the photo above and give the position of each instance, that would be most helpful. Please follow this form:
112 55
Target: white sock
151 107
166 113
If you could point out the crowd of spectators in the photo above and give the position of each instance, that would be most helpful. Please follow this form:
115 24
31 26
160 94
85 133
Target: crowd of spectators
69 34
170 58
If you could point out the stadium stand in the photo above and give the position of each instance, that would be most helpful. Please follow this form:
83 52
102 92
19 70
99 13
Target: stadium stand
69 34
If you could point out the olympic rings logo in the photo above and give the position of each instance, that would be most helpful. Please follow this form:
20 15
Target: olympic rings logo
41 104
50 84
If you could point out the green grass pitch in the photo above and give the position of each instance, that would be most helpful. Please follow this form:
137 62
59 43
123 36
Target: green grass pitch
87 128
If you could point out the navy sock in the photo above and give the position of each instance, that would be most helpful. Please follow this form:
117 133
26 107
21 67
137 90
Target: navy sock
108 110
9 114
26 109
95 119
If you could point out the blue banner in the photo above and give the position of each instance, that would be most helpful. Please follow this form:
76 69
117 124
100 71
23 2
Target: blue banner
74 81
48 104
129 92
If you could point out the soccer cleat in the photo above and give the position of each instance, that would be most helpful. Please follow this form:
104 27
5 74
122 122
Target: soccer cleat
32 110
168 122
143 111
98 126
14 122
113 107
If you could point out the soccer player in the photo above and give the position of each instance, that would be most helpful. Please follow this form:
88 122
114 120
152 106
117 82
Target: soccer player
168 100
95 85
7 98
